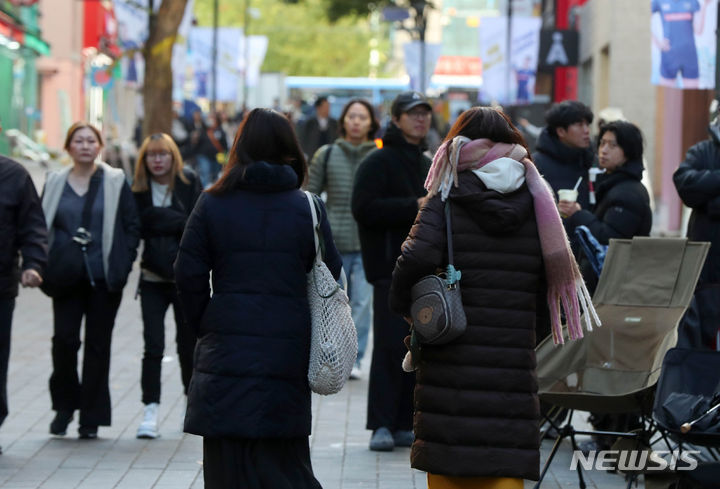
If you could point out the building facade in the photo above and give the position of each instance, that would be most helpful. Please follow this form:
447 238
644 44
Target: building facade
21 44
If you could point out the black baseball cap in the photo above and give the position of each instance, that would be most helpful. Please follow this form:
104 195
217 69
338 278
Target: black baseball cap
407 101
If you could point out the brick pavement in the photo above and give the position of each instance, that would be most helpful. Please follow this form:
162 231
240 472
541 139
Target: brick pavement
33 459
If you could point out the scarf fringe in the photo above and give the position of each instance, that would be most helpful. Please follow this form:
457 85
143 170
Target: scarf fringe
576 303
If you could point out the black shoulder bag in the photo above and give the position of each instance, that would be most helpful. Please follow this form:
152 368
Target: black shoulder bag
68 264
437 312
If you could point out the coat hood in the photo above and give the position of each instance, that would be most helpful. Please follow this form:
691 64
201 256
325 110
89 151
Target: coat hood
551 146
631 170
494 211
262 176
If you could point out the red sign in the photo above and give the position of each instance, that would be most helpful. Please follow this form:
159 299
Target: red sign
458 65
100 30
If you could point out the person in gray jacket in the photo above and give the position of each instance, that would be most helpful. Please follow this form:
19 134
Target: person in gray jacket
110 228
333 170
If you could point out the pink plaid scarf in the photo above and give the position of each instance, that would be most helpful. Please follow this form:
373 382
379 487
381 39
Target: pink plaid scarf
565 284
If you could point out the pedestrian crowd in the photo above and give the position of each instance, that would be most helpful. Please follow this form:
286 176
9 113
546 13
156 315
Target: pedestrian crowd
228 242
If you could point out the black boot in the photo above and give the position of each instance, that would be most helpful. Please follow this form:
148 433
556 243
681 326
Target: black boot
87 432
59 425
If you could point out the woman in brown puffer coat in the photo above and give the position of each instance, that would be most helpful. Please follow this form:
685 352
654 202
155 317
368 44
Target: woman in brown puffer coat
476 405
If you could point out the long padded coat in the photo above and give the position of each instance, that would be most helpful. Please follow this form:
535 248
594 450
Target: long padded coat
251 360
476 405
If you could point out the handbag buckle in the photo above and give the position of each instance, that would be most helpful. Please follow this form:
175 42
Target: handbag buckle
83 237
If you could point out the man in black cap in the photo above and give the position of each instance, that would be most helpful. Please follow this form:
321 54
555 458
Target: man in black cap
388 190
22 233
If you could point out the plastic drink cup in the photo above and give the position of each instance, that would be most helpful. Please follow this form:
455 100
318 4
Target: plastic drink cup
567 194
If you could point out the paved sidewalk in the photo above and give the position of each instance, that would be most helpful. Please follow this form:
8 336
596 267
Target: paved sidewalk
34 459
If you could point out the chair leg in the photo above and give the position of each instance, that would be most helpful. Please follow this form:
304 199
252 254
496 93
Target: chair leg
554 450
581 479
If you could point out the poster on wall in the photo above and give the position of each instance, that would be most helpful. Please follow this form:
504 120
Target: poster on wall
683 43
509 79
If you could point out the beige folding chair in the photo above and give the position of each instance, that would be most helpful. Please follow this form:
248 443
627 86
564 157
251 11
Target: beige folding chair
644 289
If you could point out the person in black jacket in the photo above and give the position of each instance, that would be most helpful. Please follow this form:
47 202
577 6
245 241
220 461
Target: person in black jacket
563 153
697 180
22 232
165 194
249 395
319 129
623 206
112 234
386 197
208 144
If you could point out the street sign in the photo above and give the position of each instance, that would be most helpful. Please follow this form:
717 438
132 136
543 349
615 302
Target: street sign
395 14
558 48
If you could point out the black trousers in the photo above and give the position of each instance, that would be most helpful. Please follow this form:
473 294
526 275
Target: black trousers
262 463
155 298
6 311
92 395
390 390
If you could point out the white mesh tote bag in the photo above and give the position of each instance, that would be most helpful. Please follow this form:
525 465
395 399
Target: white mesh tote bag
333 344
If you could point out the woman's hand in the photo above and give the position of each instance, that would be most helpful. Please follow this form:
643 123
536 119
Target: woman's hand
30 278
567 208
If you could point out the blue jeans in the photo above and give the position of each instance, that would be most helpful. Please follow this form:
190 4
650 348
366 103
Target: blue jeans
360 294
207 170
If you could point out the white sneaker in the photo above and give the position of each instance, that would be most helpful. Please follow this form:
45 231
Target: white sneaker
355 373
148 427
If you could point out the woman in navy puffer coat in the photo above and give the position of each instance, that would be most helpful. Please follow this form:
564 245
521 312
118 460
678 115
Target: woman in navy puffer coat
249 395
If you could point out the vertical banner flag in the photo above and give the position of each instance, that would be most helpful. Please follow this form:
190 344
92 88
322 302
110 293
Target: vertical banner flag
199 62
683 43
412 62
509 78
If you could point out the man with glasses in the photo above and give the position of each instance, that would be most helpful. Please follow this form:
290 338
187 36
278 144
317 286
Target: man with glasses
387 194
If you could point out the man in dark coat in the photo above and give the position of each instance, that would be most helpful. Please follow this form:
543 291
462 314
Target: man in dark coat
563 149
698 182
386 197
319 129
22 231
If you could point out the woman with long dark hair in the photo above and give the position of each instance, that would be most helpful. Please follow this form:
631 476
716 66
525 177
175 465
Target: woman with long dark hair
87 203
165 193
476 405
249 395
333 170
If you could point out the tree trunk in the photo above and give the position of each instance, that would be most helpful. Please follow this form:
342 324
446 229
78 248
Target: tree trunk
158 86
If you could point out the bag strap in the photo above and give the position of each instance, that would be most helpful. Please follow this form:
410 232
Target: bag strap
90 199
448 225
316 225
319 240
327 154
452 275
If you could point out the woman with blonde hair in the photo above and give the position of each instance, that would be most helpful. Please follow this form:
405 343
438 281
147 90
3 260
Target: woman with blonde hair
93 234
165 194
